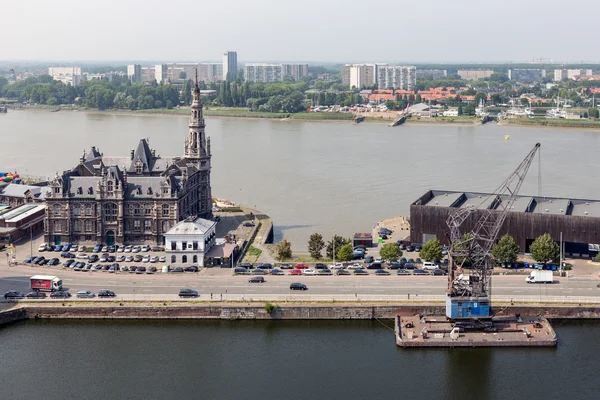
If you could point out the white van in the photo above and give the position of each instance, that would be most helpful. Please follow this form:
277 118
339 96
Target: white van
430 265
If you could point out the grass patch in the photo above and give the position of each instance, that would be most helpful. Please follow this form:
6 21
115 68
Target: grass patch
565 123
252 254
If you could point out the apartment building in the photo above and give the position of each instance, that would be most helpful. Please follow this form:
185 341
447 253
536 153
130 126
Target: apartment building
262 73
295 71
526 75
160 73
396 77
134 72
433 73
207 72
66 75
359 75
474 74
229 65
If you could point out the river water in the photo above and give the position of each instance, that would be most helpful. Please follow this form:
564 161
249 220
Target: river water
281 360
318 176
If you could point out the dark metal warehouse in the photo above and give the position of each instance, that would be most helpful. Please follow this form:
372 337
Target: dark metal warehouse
577 220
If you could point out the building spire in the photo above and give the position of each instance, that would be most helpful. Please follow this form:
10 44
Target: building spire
195 147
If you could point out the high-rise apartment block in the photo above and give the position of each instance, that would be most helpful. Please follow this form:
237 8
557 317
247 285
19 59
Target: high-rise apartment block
474 74
396 77
134 72
295 71
526 75
66 75
160 73
262 73
229 65
207 72
433 73
359 75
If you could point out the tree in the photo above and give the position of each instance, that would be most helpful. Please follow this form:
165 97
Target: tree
339 242
594 113
345 252
390 252
506 250
315 245
432 251
283 250
182 75
460 109
544 249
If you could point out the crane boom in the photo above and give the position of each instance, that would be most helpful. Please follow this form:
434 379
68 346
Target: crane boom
475 246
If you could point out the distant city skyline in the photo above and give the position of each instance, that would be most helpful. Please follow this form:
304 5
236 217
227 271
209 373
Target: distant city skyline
326 31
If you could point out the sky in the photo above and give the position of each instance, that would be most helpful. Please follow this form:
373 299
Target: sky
446 31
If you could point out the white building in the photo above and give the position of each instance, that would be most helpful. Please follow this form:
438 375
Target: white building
296 71
160 73
360 75
474 74
451 113
188 241
148 74
67 75
134 72
396 77
229 65
207 72
262 73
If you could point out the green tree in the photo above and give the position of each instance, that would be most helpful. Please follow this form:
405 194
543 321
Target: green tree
506 250
390 252
339 242
460 109
283 250
544 249
432 251
345 252
315 245
182 75
594 113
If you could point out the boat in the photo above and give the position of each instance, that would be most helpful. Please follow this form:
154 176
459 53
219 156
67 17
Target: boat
480 112
399 121
518 111
557 112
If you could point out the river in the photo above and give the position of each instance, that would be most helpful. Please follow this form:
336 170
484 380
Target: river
261 360
317 176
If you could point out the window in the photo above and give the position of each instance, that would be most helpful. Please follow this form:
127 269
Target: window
173 259
79 190
195 245
165 209
148 210
110 212
166 225
88 209
136 209
183 245
109 187
57 190
76 210
57 210
173 245
77 225
148 225
184 259
149 191
195 259
138 168
88 238
57 226
137 226
165 190
89 226
90 190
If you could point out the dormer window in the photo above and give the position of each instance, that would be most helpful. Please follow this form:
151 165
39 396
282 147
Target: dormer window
110 187
138 166
149 191
90 190
139 190
79 190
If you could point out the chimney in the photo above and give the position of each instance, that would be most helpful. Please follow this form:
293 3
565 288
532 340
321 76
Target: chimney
132 152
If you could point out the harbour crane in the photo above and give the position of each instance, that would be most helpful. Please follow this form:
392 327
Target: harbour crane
467 291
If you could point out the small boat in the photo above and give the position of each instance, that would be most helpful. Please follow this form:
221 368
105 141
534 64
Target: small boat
399 121
358 119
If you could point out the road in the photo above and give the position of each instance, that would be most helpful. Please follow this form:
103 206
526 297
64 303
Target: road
220 284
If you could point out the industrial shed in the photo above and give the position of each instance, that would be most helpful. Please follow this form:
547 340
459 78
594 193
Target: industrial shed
530 216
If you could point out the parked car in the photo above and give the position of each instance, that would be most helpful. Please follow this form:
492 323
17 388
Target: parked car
121 258
80 249
368 259
93 258
360 272
85 294
106 293
382 272
104 258
410 248
82 256
403 272
28 260
296 272
188 293
308 271
301 266
58 248
121 249
420 272
324 272
298 286
36 294
13 294
386 231
60 294
162 259
375 265
112 269
438 272
96 267
257 279
418 247
40 260
136 249
257 271
383 236
240 271
111 249
246 265
276 271
145 248
68 263
177 269
124 268
42 247
418 261
150 270
320 266
158 248
360 247
409 266
357 254
286 266
111 259
336 266
127 249
66 247
54 261
104 249
402 246
129 259
146 259
355 266
430 265
192 268
343 272
249 223
265 266
97 248
153 259
137 257
395 265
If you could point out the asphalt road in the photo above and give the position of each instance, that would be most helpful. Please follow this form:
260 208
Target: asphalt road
219 282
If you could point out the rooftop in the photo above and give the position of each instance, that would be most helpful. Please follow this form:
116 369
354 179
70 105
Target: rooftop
198 226
22 212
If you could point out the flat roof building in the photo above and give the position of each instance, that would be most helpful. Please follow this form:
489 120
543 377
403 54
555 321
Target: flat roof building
229 65
474 74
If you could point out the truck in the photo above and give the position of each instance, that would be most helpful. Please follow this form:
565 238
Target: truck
45 283
540 276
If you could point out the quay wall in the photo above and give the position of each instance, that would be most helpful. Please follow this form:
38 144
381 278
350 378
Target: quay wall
259 312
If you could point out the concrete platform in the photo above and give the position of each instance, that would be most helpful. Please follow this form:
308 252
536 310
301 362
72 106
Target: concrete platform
437 331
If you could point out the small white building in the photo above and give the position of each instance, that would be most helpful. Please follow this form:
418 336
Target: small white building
188 241
451 113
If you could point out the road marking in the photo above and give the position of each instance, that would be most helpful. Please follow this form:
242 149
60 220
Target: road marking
147 290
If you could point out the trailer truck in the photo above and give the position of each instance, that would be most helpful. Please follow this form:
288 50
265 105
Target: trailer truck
540 276
45 283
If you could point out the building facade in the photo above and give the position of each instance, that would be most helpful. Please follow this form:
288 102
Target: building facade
134 72
295 71
262 73
229 65
396 77
66 75
474 74
526 75
160 73
188 241
135 199
433 73
359 75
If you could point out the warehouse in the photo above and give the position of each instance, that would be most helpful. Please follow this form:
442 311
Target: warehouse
530 216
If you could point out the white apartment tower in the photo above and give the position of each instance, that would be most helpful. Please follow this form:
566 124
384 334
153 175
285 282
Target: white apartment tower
134 72
160 73
296 71
229 65
396 77
359 75
66 75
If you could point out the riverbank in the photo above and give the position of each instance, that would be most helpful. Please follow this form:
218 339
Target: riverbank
266 311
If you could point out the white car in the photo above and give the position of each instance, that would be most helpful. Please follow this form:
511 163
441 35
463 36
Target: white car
430 265
153 259
82 256
146 259
145 248
120 258
162 259
127 249
336 266
121 249
128 259
355 266
308 271
379 260
81 248
43 247
96 267
136 249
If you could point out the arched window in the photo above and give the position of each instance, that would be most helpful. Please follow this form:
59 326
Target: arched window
109 187
195 259
184 259
110 212
57 210
173 259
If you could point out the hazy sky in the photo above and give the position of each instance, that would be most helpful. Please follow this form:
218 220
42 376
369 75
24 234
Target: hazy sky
305 30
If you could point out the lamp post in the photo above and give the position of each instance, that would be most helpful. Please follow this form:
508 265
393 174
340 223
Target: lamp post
333 241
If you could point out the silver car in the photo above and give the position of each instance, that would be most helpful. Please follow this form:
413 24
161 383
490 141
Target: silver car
85 294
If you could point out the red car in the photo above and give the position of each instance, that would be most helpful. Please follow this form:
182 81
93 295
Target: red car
296 272
301 266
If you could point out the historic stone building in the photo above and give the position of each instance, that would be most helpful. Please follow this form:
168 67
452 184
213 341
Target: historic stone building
135 199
